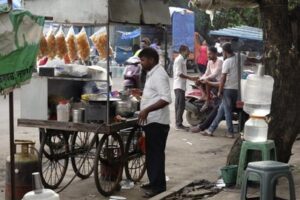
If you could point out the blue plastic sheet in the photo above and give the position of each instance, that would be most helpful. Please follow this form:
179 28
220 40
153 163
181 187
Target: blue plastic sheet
130 35
183 27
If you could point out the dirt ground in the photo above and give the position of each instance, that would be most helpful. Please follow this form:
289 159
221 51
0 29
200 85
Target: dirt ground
188 157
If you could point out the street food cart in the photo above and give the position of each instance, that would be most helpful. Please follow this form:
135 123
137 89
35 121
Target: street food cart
94 146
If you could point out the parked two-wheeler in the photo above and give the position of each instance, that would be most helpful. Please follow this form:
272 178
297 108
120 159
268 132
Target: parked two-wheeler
132 73
194 103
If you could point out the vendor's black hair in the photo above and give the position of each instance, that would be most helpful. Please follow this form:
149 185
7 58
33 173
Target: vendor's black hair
149 52
213 49
227 47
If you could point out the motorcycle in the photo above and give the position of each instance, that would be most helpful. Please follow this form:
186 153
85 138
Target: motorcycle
193 104
132 73
195 101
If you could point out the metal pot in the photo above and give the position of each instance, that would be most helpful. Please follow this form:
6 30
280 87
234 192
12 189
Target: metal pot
125 108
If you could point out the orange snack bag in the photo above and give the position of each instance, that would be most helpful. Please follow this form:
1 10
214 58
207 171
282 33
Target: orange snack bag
51 43
83 45
61 47
43 47
99 40
71 44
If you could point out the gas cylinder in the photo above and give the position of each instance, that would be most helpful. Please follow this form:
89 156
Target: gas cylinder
26 162
39 193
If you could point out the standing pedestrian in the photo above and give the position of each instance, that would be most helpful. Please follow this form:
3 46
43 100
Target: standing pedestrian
202 57
179 85
155 119
228 90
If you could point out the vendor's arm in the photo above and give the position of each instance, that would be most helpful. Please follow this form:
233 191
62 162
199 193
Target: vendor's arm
136 93
156 106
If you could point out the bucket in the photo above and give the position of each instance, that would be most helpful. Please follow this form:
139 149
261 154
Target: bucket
229 174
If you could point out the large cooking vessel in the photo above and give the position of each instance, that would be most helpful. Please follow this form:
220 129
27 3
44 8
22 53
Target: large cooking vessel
127 106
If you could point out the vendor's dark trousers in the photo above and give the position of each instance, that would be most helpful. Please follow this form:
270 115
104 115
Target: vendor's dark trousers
179 105
156 139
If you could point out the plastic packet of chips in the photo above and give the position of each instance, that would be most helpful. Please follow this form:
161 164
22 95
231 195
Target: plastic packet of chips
71 45
99 40
43 51
83 45
51 43
61 47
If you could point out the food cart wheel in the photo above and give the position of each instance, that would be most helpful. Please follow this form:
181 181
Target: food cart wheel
108 167
83 149
54 152
135 166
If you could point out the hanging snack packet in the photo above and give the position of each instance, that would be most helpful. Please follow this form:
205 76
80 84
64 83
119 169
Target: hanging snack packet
51 44
43 51
99 40
83 45
71 45
61 47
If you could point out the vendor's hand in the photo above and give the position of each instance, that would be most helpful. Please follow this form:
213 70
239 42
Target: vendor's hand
136 92
142 119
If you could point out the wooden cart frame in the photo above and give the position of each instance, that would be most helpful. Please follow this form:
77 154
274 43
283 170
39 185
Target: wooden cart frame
120 145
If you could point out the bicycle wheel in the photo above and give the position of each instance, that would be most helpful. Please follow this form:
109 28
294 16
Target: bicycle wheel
135 166
83 149
109 163
54 152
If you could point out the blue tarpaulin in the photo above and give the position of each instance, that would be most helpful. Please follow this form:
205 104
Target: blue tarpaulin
183 28
242 32
130 35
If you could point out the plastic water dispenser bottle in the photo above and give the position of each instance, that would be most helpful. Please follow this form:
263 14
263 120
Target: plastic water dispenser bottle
257 103
39 193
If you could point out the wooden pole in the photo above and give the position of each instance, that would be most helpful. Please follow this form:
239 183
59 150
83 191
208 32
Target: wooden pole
12 144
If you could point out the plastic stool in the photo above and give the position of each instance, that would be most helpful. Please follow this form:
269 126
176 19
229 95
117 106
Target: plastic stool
268 172
267 150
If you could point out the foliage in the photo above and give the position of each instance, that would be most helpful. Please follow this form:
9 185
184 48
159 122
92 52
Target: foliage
293 4
236 17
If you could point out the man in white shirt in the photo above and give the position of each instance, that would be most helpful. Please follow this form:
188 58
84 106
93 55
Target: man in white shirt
155 119
179 85
213 73
228 89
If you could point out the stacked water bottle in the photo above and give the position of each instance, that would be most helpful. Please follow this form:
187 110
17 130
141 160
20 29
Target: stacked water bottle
257 103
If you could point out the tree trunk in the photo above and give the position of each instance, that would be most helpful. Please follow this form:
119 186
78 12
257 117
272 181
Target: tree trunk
283 64
281 61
